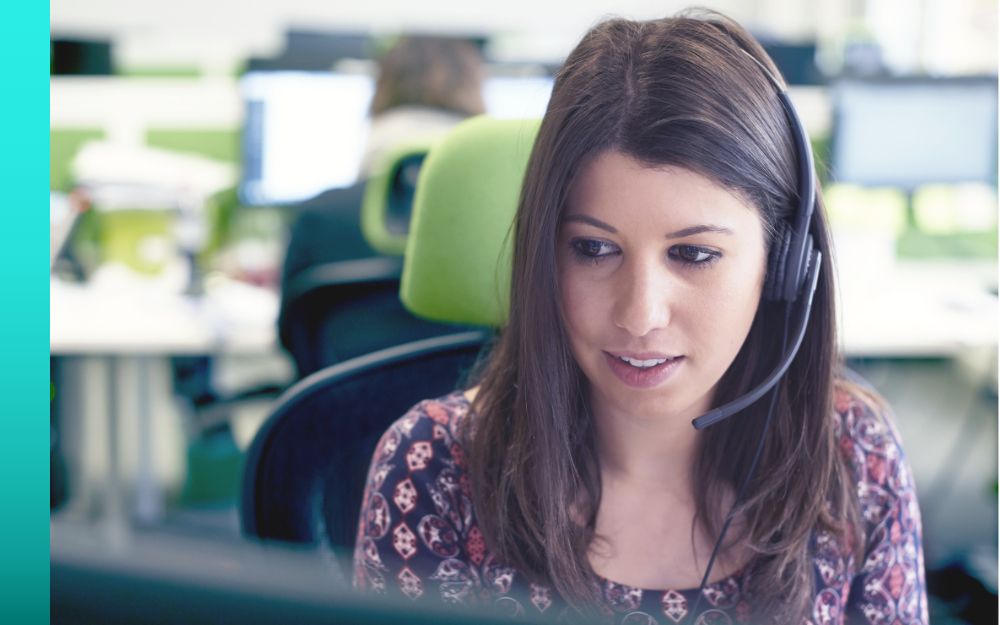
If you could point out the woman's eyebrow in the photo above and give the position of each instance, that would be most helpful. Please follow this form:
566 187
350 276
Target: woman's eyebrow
686 232
597 223
683 232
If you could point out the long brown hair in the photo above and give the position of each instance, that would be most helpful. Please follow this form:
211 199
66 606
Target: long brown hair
676 91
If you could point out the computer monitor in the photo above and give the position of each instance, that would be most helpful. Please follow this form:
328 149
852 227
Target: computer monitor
305 132
908 132
159 577
73 56
517 97
795 61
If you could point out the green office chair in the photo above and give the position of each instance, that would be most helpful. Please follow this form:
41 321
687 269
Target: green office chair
458 255
306 468
388 199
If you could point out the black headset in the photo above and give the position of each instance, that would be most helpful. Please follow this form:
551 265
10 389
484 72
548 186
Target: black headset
792 264
792 276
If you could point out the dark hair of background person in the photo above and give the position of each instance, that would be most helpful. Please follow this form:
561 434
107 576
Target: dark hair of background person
669 92
438 72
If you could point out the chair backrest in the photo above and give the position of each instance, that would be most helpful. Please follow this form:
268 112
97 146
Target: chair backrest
341 310
458 262
305 471
388 200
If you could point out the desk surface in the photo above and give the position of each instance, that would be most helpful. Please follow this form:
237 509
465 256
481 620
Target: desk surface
919 309
88 320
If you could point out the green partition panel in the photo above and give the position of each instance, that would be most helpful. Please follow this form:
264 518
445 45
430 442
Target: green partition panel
160 71
221 144
64 143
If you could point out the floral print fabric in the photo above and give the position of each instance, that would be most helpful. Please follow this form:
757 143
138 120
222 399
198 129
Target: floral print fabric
418 535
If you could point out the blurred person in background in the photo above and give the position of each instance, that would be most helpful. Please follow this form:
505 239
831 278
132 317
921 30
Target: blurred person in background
425 86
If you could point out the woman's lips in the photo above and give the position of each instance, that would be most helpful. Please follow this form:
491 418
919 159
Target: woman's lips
643 377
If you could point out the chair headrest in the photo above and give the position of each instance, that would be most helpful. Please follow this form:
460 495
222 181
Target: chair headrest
387 203
458 254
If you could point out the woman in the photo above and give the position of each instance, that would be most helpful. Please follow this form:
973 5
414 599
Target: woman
642 296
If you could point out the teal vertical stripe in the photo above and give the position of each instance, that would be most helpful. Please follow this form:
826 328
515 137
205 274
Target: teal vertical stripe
24 379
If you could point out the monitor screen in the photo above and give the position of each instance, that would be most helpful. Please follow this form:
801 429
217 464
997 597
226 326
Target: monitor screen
177 577
911 132
795 61
305 132
517 97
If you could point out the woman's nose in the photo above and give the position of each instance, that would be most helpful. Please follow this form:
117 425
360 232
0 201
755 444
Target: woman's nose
642 301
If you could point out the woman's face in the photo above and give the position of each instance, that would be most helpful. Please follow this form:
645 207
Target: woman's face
660 274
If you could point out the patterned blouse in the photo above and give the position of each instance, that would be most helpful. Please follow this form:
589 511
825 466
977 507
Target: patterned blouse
418 535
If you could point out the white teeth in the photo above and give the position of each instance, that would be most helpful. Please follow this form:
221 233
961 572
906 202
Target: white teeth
643 364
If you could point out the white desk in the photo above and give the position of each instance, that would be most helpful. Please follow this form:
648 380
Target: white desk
116 345
918 309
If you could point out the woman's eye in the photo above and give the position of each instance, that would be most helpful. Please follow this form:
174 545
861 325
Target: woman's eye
693 255
593 250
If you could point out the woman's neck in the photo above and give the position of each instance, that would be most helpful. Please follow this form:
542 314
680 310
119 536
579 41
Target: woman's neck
646 450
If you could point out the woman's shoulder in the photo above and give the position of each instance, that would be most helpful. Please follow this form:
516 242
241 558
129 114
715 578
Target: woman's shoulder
430 430
872 447
864 419
448 411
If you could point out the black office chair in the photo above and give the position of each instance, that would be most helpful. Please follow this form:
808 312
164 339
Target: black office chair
340 290
305 471
342 310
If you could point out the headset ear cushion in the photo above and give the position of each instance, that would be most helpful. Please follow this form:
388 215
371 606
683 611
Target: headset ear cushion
774 283
808 261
